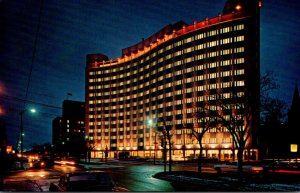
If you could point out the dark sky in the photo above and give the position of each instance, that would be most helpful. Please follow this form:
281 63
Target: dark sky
71 29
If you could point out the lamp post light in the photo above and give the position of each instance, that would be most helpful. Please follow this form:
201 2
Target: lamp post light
22 133
150 123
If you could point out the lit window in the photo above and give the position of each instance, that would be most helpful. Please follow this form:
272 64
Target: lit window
239 60
189 40
239 38
187 50
240 83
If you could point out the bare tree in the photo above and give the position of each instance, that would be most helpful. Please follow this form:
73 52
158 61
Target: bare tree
165 127
268 85
202 123
236 117
272 114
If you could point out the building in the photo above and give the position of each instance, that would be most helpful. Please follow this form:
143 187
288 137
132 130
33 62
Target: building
293 125
68 131
169 76
57 136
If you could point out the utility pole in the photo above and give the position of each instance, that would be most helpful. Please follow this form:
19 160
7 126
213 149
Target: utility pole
21 137
22 134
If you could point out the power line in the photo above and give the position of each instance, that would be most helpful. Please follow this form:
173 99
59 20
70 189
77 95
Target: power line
34 51
28 101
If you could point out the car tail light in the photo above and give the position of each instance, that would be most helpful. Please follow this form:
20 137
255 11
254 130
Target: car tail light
257 169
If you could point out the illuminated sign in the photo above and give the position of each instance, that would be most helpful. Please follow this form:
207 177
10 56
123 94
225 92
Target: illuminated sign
9 149
294 147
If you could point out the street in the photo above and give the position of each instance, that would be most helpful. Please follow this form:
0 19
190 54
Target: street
132 175
135 176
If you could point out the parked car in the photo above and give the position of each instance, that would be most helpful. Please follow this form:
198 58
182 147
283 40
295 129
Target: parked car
37 164
86 181
232 167
42 162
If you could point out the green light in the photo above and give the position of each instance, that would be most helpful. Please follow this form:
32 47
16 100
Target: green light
150 122
33 110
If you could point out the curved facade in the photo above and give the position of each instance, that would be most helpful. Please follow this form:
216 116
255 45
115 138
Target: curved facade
170 75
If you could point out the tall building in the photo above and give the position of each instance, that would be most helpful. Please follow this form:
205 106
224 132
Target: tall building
178 70
293 122
68 131
58 135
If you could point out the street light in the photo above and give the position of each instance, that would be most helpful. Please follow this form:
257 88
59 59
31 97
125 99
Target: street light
22 132
150 123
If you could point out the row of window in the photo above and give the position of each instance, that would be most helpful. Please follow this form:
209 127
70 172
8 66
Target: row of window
180 52
135 113
181 42
106 83
205 140
219 85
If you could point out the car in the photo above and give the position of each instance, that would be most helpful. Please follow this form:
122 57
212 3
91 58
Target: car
43 162
232 167
37 164
86 181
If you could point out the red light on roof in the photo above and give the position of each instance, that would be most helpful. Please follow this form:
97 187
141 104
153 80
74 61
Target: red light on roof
260 4
238 7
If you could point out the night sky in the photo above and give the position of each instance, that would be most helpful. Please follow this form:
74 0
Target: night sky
69 30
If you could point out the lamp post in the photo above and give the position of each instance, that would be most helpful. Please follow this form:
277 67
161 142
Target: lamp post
150 123
155 147
22 133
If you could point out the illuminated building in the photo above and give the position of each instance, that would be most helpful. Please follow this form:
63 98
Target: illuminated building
169 75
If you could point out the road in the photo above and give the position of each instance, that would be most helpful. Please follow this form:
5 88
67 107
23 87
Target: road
135 176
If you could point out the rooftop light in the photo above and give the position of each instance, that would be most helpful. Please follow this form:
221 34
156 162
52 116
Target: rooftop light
238 7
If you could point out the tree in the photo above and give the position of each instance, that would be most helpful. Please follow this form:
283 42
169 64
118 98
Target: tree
205 122
236 117
165 126
268 85
271 115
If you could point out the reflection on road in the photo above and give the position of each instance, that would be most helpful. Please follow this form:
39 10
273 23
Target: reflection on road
66 168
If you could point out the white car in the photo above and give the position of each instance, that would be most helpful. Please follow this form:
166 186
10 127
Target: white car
232 167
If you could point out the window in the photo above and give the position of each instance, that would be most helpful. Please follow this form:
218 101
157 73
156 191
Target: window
239 60
239 50
200 36
189 40
200 47
226 41
212 44
239 27
187 50
225 52
239 38
225 30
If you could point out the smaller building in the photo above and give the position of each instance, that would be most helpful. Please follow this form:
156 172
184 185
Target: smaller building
68 131
293 123
280 139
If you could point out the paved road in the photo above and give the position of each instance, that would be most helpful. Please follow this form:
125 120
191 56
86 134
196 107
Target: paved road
135 176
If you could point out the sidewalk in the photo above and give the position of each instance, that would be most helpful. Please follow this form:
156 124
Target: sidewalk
97 164
192 181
